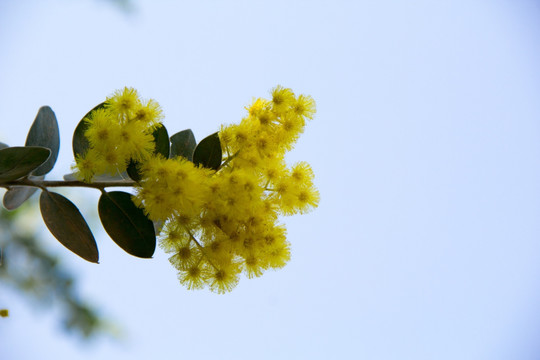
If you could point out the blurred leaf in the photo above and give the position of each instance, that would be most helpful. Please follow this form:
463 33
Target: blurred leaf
127 224
183 144
67 225
17 195
28 266
18 161
44 132
80 142
208 152
161 139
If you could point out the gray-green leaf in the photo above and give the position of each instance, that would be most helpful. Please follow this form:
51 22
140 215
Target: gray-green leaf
17 195
44 132
17 162
66 223
183 144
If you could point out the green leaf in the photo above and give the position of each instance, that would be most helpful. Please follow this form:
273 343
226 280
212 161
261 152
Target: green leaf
208 152
183 144
17 195
80 142
67 225
133 170
16 162
127 224
44 132
161 138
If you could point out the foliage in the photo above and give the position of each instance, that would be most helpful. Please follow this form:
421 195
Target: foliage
28 266
217 202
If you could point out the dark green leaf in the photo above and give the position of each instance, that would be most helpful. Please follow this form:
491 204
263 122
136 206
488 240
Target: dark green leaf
67 225
161 138
127 224
183 144
80 142
44 132
133 170
16 162
208 152
17 195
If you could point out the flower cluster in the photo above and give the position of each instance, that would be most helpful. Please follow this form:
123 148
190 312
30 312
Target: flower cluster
222 223
118 131
217 223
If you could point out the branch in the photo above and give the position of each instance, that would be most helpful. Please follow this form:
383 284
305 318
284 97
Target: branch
68 183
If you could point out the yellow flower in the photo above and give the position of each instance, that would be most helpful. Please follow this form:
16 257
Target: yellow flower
304 106
302 173
307 199
148 112
87 165
224 278
136 141
282 98
194 278
123 103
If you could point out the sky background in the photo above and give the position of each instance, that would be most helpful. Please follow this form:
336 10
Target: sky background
425 146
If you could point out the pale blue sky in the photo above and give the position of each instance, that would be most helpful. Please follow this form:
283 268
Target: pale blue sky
426 244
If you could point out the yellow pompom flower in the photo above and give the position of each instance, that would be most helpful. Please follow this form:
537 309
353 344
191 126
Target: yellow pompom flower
282 98
301 172
304 106
195 277
123 103
224 278
87 165
148 112
101 129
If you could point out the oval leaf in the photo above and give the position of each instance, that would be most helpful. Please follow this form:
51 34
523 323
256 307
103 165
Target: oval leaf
44 132
126 224
183 144
208 152
80 142
161 138
133 170
16 162
67 225
17 195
